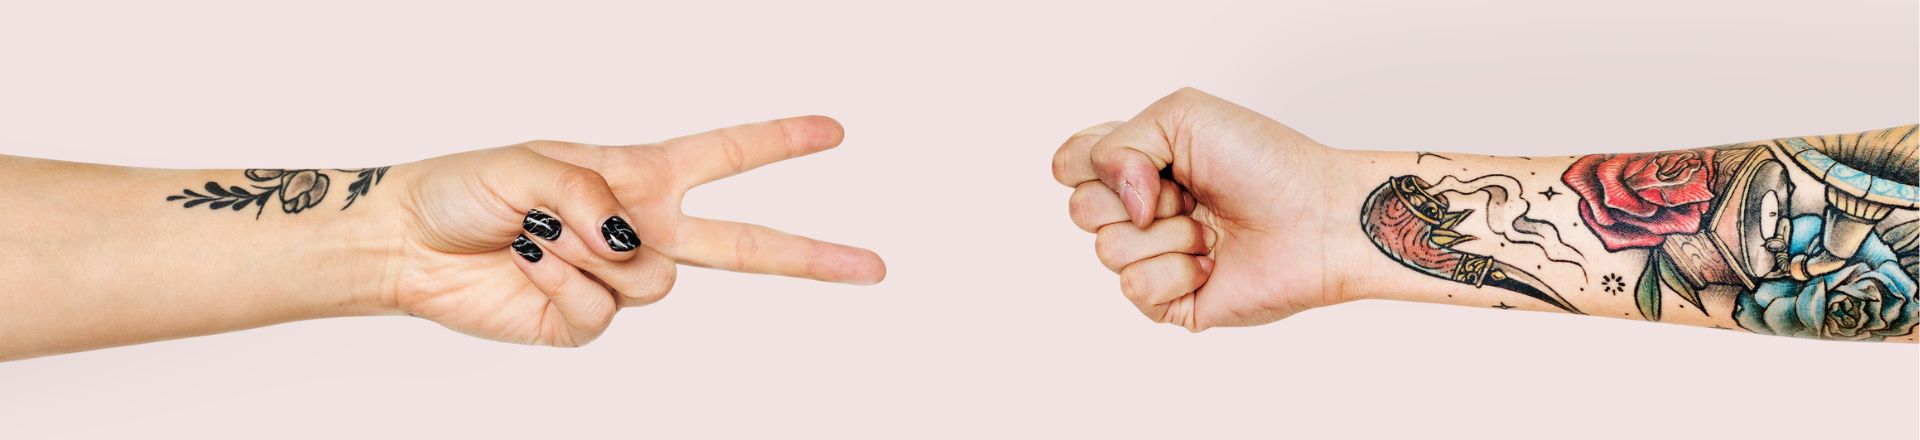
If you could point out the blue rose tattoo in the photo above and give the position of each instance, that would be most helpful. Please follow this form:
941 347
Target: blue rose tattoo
1870 299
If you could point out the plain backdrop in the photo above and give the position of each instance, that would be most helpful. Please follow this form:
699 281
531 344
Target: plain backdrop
995 321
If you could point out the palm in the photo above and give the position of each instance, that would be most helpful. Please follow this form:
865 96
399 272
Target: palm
483 295
457 272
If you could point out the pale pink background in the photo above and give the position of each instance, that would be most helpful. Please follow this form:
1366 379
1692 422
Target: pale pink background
996 321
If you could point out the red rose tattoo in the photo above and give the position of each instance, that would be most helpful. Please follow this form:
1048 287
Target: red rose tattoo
1636 200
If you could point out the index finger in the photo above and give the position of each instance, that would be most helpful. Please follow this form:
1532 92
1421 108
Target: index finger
717 154
1073 162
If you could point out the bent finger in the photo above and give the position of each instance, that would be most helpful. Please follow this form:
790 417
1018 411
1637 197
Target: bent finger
643 280
584 306
561 199
1121 244
1153 283
1092 205
1073 162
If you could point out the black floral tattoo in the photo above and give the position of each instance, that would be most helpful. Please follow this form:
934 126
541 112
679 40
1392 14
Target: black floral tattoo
364 179
294 190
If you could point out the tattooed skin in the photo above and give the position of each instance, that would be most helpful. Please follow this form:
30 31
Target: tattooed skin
1815 237
293 190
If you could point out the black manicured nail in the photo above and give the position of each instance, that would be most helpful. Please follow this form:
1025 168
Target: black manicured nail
619 236
541 225
527 250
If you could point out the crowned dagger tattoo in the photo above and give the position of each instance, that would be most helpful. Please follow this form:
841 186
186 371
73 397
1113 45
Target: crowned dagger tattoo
1417 229
294 190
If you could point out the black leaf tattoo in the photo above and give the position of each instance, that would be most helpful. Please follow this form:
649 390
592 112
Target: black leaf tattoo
294 190
364 179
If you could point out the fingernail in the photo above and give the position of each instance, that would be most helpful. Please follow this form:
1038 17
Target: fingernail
541 225
1133 200
527 250
619 236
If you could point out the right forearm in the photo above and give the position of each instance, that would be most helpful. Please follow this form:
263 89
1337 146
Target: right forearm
1716 236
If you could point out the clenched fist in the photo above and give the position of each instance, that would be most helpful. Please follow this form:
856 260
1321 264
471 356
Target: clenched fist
1211 214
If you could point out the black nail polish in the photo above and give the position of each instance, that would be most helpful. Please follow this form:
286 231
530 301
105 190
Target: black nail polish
619 236
541 225
527 250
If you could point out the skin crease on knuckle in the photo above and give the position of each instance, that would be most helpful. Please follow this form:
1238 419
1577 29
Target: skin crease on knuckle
1106 246
746 247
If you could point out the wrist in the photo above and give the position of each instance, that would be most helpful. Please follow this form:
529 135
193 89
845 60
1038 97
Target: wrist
351 253
1344 189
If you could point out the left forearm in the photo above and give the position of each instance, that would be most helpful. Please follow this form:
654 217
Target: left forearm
101 256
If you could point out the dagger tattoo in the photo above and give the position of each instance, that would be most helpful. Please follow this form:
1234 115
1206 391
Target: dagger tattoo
1415 228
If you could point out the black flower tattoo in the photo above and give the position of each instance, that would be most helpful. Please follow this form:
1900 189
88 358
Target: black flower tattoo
294 190
1612 283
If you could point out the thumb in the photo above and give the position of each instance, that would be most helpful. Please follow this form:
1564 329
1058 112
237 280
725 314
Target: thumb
1129 161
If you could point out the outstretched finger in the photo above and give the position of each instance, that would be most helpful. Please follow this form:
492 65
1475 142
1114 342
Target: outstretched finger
716 154
742 247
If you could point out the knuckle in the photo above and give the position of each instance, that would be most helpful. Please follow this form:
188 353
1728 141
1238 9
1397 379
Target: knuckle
656 288
1134 286
1080 206
538 144
1185 94
1061 160
746 247
1105 248
1181 100
733 151
1191 274
582 181
598 322
1195 235
559 284
668 277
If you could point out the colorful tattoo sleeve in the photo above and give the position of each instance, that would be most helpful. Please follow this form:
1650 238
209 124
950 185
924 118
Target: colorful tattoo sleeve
1813 237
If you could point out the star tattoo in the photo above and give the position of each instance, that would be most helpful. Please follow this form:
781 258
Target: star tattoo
1502 306
1550 192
